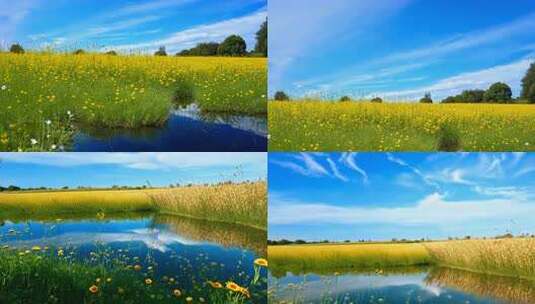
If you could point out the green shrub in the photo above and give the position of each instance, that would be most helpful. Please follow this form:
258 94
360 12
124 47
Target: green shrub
184 94
376 100
426 99
448 139
345 98
281 96
17 49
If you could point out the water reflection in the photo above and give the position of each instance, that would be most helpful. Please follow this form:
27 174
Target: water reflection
412 285
191 252
187 129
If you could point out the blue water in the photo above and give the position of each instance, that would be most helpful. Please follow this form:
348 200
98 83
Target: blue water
187 130
174 247
433 285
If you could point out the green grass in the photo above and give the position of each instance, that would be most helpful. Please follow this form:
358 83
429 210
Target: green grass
312 125
48 97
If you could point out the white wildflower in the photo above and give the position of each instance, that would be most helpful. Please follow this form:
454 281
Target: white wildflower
53 147
33 141
3 87
48 122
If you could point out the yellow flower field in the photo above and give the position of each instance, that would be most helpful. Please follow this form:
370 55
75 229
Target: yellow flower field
45 97
311 125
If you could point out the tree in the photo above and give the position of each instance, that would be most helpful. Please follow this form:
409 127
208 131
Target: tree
499 92
376 100
472 96
233 45
345 98
281 96
111 53
79 52
426 98
528 84
16 48
262 39
161 52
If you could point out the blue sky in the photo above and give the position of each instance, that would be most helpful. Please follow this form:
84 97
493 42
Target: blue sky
128 25
106 169
398 49
380 196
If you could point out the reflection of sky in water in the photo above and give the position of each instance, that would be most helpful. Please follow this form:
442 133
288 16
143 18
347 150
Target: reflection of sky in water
191 262
367 288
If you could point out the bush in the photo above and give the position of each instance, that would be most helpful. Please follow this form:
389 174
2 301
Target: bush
161 52
201 49
233 45
79 52
376 100
111 53
448 139
499 92
16 48
426 98
184 94
472 96
528 84
281 96
345 98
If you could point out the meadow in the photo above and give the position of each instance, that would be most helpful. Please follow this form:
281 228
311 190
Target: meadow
514 257
45 98
312 125
243 203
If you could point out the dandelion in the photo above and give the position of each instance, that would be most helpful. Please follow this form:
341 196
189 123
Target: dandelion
60 252
36 248
148 281
137 267
108 280
93 289
177 293
233 286
97 280
189 299
261 262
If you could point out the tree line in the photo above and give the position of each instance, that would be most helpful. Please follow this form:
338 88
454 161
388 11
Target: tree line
233 45
498 92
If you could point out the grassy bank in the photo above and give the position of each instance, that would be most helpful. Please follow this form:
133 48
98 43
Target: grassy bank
322 257
343 126
243 203
513 257
45 97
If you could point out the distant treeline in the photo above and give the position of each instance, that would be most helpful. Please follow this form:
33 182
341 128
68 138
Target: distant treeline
498 92
13 188
394 240
233 45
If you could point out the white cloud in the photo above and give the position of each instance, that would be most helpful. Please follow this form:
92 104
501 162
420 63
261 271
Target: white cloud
150 6
433 209
147 161
335 171
309 167
349 159
245 26
511 74
425 178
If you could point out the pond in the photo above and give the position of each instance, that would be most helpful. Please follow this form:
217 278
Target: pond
175 253
187 129
403 286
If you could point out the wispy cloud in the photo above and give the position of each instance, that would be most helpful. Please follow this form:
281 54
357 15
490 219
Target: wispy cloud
245 26
145 161
306 165
349 159
150 6
511 74
425 178
336 172
433 209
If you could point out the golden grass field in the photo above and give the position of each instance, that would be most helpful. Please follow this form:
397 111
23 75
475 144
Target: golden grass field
513 257
47 97
311 125
243 203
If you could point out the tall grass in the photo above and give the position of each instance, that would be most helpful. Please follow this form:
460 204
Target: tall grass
511 257
45 97
244 203
311 125
321 257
